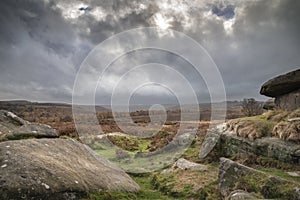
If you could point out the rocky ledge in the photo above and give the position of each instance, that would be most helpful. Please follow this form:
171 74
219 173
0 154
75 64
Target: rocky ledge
228 143
13 127
286 90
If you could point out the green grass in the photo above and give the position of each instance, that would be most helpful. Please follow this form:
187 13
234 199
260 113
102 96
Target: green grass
280 173
262 124
147 189
192 153
263 184
257 117
131 143
147 192
110 196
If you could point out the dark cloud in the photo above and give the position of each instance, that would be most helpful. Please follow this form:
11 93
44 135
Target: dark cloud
43 42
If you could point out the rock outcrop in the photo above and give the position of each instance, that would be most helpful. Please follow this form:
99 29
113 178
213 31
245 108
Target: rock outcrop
56 169
235 177
229 144
35 164
13 127
229 174
269 104
211 140
285 89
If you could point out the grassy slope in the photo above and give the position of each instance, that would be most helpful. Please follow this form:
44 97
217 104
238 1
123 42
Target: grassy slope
199 185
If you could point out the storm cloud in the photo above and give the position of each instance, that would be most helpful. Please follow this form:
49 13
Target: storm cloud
43 43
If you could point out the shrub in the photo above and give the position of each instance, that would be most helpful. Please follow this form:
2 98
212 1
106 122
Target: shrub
250 107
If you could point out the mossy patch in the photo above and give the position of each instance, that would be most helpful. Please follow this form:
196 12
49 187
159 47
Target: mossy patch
265 186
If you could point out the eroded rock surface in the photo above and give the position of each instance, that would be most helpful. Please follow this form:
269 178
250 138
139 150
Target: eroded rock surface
56 169
211 140
184 164
228 144
286 90
282 84
290 101
13 127
240 195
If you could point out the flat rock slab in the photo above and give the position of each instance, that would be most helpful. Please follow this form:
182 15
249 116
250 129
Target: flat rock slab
211 140
295 174
56 169
184 164
282 84
13 127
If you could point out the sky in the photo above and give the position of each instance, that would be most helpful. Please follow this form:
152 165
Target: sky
43 43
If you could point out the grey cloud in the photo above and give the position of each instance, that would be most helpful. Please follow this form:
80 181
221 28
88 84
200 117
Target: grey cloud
41 49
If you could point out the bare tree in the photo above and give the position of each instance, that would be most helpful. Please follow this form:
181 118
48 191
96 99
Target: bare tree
250 107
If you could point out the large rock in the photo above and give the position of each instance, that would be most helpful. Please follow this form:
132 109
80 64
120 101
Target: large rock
211 139
229 144
13 127
56 169
236 177
282 84
285 89
229 173
268 147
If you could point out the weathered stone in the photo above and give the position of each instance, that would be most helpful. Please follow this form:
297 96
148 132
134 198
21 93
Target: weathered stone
184 164
269 104
240 195
229 174
13 127
282 84
290 101
296 195
187 165
229 144
295 174
211 139
285 89
268 147
56 169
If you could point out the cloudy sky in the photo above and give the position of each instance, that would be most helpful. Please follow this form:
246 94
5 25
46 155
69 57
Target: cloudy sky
44 42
